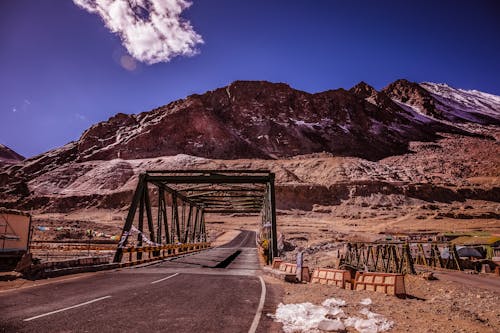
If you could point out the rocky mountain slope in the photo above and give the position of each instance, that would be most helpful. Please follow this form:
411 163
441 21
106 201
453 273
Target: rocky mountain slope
8 156
359 142
442 102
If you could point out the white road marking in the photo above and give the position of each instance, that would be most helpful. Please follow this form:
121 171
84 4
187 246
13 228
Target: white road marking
256 319
68 308
168 277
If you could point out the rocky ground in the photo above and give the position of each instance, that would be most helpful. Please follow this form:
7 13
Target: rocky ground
433 306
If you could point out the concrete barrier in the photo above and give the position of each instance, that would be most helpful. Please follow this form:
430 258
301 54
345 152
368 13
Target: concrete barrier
276 263
87 261
94 264
328 276
388 283
286 271
291 269
485 268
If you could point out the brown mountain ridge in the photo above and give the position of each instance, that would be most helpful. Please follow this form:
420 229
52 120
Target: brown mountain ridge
259 120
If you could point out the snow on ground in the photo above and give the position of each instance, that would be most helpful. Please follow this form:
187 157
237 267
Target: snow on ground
365 301
311 318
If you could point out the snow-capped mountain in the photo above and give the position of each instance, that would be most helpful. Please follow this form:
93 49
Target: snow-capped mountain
256 119
465 105
441 102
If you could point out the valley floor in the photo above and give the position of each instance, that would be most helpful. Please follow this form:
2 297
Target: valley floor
444 305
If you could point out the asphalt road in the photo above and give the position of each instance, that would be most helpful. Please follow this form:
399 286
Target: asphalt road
477 281
203 292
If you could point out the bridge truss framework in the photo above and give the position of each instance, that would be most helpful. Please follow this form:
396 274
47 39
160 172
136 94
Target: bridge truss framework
180 199
400 257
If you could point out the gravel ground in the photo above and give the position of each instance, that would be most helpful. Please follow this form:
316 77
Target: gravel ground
433 306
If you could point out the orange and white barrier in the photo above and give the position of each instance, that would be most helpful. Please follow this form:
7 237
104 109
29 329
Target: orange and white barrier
276 263
388 283
328 276
288 271
288 268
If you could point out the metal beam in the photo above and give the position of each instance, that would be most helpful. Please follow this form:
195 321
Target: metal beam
206 201
172 191
253 171
204 195
248 189
212 179
273 216
149 215
130 218
188 224
232 211
141 222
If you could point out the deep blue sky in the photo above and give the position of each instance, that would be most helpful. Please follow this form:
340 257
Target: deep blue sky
58 66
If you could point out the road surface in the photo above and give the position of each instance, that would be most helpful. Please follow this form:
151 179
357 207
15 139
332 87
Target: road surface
491 283
201 292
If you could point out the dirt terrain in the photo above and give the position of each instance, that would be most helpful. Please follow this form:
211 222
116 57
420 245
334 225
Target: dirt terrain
433 306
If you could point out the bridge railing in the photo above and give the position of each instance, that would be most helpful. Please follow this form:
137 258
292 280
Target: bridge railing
135 253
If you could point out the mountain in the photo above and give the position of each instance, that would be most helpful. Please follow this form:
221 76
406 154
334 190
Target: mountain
265 124
8 156
442 102
256 120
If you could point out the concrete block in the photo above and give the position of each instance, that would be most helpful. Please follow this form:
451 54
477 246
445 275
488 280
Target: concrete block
485 268
276 263
391 284
329 276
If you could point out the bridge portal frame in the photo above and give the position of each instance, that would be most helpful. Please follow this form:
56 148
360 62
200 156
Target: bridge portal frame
201 192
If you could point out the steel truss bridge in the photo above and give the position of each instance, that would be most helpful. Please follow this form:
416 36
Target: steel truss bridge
400 257
373 257
180 199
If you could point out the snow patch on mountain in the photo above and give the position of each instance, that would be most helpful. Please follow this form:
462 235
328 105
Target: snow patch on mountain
464 104
415 112
305 123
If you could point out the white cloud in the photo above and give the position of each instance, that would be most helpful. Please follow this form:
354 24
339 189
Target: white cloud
152 31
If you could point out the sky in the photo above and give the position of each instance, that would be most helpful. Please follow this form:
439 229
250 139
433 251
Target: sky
66 65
